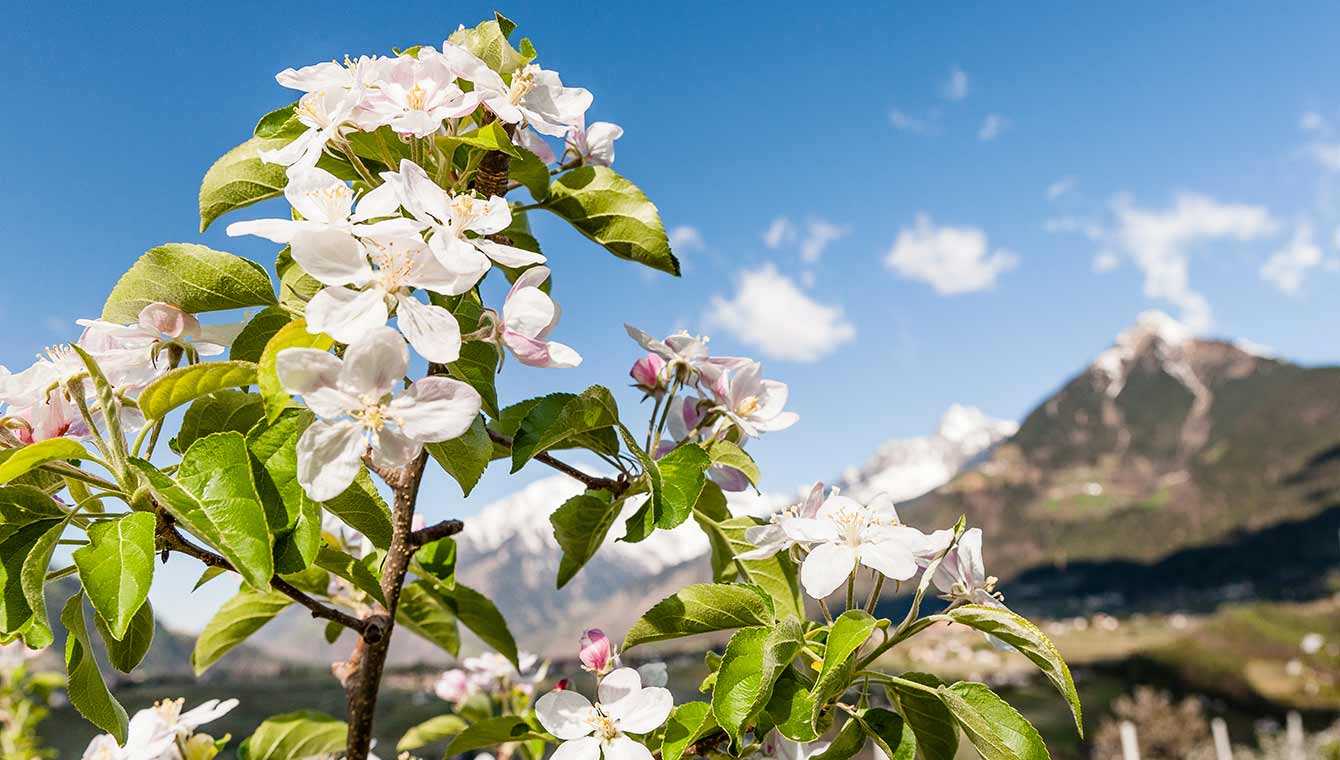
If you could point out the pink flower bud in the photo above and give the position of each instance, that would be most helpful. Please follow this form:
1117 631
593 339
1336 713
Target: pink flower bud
564 684
417 523
646 373
596 651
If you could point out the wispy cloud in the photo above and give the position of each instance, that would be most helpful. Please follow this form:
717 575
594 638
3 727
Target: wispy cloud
781 232
992 126
814 236
1287 267
956 86
686 238
926 124
1061 187
772 314
1311 121
952 260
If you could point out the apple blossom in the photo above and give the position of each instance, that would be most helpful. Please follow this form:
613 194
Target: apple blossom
844 534
415 95
159 732
770 539
686 356
594 144
528 316
535 97
586 731
753 404
324 113
357 410
162 324
648 375
453 686
322 200
533 142
597 652
449 218
961 575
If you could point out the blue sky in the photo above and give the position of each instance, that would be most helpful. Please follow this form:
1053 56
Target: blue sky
1000 191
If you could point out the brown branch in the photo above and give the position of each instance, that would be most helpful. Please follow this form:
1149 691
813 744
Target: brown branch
435 532
174 541
592 482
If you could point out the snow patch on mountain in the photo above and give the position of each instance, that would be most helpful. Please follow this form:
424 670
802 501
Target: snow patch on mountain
1152 330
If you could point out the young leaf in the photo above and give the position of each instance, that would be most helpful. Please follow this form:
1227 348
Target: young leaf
754 659
776 575
20 461
529 170
489 732
491 136
1030 641
218 412
683 473
438 561
295 735
84 685
580 526
21 505
281 122
688 723
847 634
849 741
465 458
997 730
477 613
237 619
933 724
126 653
791 708
193 278
613 212
702 608
431 730
364 510
185 384
478 368
351 569
890 733
292 335
296 287
488 41
249 343
425 610
731 455
117 568
32 579
239 178
558 418
294 519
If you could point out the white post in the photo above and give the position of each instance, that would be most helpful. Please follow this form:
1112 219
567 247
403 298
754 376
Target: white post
1222 749
1294 735
1130 749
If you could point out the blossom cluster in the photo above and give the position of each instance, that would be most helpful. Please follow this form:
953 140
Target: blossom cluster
164 732
492 675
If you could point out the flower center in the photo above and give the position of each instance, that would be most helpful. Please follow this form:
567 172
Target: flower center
371 413
417 98
523 82
311 110
851 524
466 208
748 406
393 268
605 727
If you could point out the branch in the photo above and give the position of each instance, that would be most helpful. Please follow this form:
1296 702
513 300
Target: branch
174 541
592 482
435 532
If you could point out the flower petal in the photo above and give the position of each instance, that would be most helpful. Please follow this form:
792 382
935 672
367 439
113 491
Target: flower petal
624 748
508 255
330 455
809 529
528 311
564 714
303 370
619 685
392 448
892 559
275 230
644 711
331 256
585 748
431 330
375 364
346 315
436 409
826 568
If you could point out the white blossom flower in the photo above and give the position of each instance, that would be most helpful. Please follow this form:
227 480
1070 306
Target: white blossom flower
357 410
594 144
752 403
771 539
961 575
158 732
844 534
528 316
624 707
403 263
449 217
531 141
686 356
324 113
535 97
324 201
165 323
414 95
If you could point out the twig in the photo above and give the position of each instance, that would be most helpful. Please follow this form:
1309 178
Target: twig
592 482
435 532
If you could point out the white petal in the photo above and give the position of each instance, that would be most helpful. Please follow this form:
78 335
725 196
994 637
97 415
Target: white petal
432 330
436 409
644 711
275 230
429 274
970 554
459 256
893 559
619 685
329 458
809 529
562 356
564 714
375 364
587 748
392 448
826 568
346 315
207 712
508 255
624 748
331 256
383 200
528 311
318 195
837 504
303 370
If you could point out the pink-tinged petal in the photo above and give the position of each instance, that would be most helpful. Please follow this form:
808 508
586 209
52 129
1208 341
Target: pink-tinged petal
600 138
644 712
332 257
892 559
595 650
970 552
729 479
221 335
813 500
585 748
808 529
165 319
563 356
376 364
275 230
826 568
431 330
565 714
436 409
773 398
346 315
621 684
533 277
330 455
303 370
507 255
392 448
528 139
624 748
528 311
780 422
318 76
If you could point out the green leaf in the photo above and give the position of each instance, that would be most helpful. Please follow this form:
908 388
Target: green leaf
559 418
32 580
688 723
21 505
30 525
185 384
701 608
613 212
362 508
239 178
490 732
731 455
294 519
238 618
997 730
491 136
425 610
481 616
281 122
489 42
683 473
529 170
193 278
890 733
295 735
431 730
1030 641
465 458
931 721
84 685
846 635
292 335
117 568
20 461
296 287
754 659
218 412
351 569
580 526
127 652
849 741
438 561
215 498
249 343
791 708
777 575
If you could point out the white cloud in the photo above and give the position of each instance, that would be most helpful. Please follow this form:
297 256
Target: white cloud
818 234
1159 242
921 125
1327 155
992 126
779 233
1062 224
1287 267
1312 121
956 87
1060 187
770 313
952 260
1106 261
686 238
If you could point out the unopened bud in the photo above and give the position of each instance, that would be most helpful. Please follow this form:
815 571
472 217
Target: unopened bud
596 654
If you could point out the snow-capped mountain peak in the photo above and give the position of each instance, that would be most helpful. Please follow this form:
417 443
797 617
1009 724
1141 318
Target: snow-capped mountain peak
1152 330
